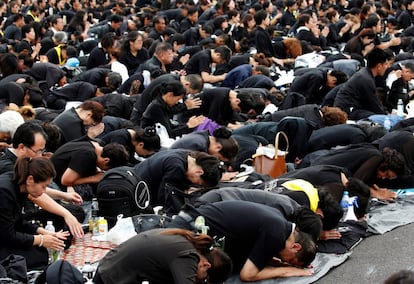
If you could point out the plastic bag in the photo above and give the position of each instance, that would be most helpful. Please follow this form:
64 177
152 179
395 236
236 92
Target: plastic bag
122 231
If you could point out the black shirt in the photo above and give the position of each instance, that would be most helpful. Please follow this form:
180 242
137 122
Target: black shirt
165 167
253 231
78 156
151 256
199 62
132 62
70 125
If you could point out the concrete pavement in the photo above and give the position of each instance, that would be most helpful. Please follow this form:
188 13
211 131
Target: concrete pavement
375 258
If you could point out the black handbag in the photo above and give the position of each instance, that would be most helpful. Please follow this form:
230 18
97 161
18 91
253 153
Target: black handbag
145 222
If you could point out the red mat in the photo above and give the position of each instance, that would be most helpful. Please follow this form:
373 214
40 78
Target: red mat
86 250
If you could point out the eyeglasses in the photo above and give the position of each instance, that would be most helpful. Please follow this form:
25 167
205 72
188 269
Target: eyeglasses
37 152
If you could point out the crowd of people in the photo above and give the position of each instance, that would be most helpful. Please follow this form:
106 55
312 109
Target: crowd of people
184 92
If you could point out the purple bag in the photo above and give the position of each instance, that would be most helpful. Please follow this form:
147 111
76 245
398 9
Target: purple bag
209 125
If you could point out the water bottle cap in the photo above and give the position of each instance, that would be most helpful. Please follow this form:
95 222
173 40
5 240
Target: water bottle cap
50 222
346 192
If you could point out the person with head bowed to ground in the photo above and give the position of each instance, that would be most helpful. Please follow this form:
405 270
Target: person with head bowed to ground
170 172
165 256
258 239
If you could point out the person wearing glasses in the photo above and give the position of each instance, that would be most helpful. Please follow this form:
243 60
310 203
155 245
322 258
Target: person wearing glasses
29 141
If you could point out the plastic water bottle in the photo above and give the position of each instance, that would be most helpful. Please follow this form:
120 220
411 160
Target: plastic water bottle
400 108
93 221
344 205
53 254
387 123
350 214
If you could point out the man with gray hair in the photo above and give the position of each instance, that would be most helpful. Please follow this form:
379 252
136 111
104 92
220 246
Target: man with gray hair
9 121
49 42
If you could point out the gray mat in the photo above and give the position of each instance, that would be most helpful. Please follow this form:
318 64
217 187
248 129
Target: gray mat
384 218
322 264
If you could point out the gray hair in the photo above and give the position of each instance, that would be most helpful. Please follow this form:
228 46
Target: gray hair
9 121
60 37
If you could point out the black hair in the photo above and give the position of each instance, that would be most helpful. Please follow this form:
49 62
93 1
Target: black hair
357 187
115 18
230 147
340 76
195 80
221 265
371 21
308 251
211 166
207 28
173 86
376 56
117 154
149 137
178 38
25 134
394 161
303 19
225 53
71 51
251 100
114 80
40 168
260 16
26 29
332 211
308 221
54 136
107 40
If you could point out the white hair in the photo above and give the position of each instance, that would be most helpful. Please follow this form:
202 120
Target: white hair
9 121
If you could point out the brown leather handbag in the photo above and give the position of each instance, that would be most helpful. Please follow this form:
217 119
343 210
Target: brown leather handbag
275 165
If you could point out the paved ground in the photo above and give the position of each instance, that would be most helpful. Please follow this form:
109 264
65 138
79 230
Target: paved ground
375 258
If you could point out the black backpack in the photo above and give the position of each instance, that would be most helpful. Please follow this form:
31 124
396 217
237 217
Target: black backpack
121 191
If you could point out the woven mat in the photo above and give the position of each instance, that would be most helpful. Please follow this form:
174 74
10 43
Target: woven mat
86 250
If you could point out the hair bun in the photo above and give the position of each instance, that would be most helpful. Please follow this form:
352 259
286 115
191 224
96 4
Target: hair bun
150 131
222 132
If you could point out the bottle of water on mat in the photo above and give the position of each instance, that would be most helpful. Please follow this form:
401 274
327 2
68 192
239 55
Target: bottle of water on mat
350 214
54 255
344 205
